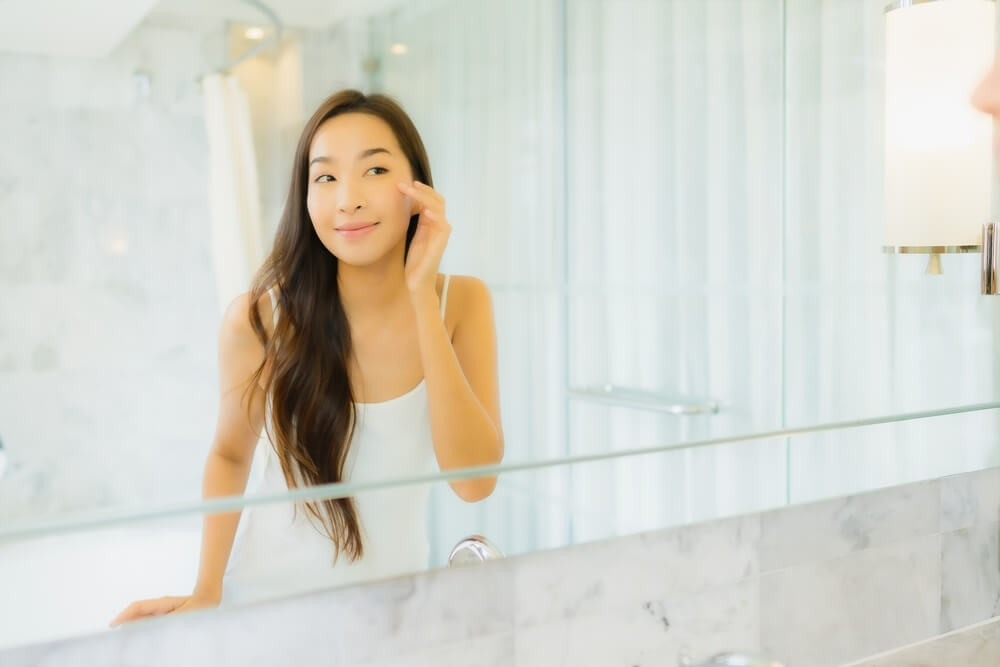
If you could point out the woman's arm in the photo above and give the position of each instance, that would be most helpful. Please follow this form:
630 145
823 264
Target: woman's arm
227 466
461 379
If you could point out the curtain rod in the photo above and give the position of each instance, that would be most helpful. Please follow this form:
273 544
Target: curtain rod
267 43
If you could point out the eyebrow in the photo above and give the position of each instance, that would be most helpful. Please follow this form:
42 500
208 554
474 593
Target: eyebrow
361 156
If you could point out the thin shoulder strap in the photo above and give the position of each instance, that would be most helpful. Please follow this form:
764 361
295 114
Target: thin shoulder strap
444 295
274 306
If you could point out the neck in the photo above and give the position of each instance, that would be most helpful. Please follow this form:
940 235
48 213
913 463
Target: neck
372 290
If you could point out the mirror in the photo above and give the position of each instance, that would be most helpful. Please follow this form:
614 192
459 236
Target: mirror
97 567
682 240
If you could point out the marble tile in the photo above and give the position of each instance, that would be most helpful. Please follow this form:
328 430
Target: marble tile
198 639
611 574
435 616
106 282
19 78
824 613
108 278
976 646
833 528
970 498
860 586
399 616
970 575
651 632
488 651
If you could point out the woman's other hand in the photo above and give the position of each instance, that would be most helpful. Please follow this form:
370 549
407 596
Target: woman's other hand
164 605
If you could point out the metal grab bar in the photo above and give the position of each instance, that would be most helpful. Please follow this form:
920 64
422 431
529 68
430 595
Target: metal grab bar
644 400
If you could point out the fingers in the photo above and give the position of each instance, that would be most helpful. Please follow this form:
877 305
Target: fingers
423 187
423 193
144 608
437 217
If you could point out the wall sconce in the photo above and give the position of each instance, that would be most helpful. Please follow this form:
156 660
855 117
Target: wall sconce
938 163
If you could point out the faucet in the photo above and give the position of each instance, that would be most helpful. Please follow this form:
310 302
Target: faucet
473 549
728 660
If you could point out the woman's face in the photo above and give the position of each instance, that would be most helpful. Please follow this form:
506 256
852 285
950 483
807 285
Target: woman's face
354 165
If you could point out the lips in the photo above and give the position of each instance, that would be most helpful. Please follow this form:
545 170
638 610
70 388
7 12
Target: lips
356 230
351 226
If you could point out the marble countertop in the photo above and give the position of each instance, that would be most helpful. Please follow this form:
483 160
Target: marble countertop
973 646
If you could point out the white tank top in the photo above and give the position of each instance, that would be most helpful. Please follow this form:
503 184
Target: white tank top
275 554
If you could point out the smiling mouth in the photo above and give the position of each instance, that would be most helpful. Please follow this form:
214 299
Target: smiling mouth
355 231
354 226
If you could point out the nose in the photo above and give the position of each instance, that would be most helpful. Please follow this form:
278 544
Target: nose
351 208
350 199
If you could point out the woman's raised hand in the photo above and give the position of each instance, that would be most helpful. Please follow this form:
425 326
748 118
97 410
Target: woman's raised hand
429 240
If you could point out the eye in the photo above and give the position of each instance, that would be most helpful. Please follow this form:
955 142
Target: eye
319 179
383 170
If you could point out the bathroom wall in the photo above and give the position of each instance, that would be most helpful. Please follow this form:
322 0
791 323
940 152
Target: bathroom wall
108 319
813 585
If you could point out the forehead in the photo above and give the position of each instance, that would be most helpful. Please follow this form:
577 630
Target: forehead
346 135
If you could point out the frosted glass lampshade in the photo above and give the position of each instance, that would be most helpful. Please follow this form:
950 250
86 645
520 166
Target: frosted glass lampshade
938 167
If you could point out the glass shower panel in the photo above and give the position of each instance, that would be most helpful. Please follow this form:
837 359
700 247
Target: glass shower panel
674 167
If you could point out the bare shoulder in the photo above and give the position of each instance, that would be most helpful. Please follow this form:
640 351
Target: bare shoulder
468 298
236 319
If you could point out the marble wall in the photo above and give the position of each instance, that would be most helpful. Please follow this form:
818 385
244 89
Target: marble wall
974 646
813 585
109 317
108 321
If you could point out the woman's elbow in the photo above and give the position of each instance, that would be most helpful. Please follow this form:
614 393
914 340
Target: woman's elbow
474 490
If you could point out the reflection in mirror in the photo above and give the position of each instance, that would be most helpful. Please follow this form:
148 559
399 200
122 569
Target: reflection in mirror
700 230
754 307
71 584
96 573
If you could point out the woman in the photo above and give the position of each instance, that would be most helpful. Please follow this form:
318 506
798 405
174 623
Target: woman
358 360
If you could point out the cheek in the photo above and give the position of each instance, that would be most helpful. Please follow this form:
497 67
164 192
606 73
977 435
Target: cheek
408 205
316 206
398 203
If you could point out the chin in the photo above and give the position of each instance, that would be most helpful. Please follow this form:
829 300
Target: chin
360 256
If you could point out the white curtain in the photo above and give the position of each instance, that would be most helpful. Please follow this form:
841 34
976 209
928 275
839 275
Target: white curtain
237 249
479 81
674 208
660 185
720 220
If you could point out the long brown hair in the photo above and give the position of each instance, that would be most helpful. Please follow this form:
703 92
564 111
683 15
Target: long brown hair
312 405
